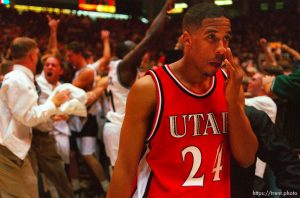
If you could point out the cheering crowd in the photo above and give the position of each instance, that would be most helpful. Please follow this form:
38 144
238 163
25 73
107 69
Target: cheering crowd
162 109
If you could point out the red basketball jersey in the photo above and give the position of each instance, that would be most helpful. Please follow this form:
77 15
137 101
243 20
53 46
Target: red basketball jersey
187 149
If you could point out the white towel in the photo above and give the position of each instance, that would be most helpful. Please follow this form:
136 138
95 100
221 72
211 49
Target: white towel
61 127
76 104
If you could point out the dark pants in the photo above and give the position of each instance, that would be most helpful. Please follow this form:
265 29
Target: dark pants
46 159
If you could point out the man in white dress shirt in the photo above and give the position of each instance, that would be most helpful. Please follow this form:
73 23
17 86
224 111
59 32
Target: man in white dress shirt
19 113
44 152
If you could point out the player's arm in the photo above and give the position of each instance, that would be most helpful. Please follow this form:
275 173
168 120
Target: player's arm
104 60
242 140
94 94
127 68
101 86
140 106
84 79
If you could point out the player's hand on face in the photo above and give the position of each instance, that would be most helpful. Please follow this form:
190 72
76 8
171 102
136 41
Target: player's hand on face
235 71
235 77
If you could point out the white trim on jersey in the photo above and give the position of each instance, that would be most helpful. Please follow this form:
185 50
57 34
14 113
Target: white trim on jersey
158 106
224 72
144 173
185 88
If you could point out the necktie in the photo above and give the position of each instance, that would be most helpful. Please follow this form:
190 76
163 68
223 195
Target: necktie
37 88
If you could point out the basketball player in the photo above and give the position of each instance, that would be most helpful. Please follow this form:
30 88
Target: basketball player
189 117
85 79
122 74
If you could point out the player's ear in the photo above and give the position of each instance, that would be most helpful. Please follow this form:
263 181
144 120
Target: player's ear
186 39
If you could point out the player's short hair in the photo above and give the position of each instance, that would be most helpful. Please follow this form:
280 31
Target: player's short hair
193 17
124 47
76 47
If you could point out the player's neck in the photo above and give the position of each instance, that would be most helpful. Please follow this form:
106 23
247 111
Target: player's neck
194 81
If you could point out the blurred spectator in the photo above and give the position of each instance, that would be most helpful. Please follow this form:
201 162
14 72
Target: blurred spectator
259 99
46 153
274 150
18 117
287 89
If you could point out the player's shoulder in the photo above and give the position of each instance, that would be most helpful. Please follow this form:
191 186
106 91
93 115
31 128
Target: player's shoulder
146 82
144 93
87 72
88 69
